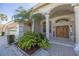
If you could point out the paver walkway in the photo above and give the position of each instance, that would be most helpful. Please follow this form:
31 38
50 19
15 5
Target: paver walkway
55 50
60 50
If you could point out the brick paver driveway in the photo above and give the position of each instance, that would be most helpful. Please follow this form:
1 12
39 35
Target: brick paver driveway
7 50
3 40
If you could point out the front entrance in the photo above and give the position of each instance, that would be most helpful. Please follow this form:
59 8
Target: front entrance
62 31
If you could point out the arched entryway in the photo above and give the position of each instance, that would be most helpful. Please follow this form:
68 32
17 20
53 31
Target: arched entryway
63 25
62 31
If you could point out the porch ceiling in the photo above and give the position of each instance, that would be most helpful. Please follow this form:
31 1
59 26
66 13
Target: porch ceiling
61 10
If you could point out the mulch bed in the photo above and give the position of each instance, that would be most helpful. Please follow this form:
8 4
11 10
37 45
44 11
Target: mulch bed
30 51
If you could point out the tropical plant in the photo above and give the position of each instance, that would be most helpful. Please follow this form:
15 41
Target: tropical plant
38 16
10 39
21 15
24 15
31 39
27 41
42 42
3 17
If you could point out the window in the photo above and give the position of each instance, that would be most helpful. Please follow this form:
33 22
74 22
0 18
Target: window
44 26
50 26
61 20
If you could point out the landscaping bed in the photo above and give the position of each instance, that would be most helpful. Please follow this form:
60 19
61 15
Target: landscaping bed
31 42
32 50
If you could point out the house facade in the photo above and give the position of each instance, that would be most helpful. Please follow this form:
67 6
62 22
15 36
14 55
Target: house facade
61 22
16 28
12 29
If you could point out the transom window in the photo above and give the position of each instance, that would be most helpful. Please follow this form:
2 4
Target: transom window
62 20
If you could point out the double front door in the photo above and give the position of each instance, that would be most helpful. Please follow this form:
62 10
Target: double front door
62 31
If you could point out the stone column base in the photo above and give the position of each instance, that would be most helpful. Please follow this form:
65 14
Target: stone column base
76 49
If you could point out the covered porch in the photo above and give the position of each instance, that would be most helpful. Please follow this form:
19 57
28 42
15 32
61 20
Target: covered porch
58 25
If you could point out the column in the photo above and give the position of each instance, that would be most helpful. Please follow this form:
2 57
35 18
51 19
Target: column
47 26
20 30
32 25
76 10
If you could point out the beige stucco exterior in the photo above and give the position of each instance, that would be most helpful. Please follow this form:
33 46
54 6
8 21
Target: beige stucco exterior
16 28
56 12
59 11
65 14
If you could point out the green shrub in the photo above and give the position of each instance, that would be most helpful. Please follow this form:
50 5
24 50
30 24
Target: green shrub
10 39
3 33
30 39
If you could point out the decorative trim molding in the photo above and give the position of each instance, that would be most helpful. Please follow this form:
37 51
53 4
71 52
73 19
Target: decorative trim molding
75 5
61 20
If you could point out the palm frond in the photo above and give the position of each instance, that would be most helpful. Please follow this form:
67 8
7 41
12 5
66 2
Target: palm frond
21 15
38 16
3 17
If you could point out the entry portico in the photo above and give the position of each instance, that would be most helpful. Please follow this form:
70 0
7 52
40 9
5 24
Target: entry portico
61 21
59 15
76 10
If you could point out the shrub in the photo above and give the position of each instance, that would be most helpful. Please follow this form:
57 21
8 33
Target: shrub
29 39
10 39
3 33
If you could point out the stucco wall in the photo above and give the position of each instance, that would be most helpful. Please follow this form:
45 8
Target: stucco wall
27 28
70 23
48 7
59 8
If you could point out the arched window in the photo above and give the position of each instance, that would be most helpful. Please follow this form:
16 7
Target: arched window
61 20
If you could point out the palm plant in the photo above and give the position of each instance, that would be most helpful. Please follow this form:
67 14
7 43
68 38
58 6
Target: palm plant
37 17
22 15
3 17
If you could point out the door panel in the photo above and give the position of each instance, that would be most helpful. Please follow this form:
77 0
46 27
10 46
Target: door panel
62 31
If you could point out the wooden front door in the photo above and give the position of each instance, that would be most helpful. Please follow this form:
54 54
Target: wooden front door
62 31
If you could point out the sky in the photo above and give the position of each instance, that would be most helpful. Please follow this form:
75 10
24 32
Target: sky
10 8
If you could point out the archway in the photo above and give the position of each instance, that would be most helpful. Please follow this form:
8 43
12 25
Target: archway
62 30
62 18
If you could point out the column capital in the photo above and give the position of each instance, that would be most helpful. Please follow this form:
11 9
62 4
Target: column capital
47 12
47 15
